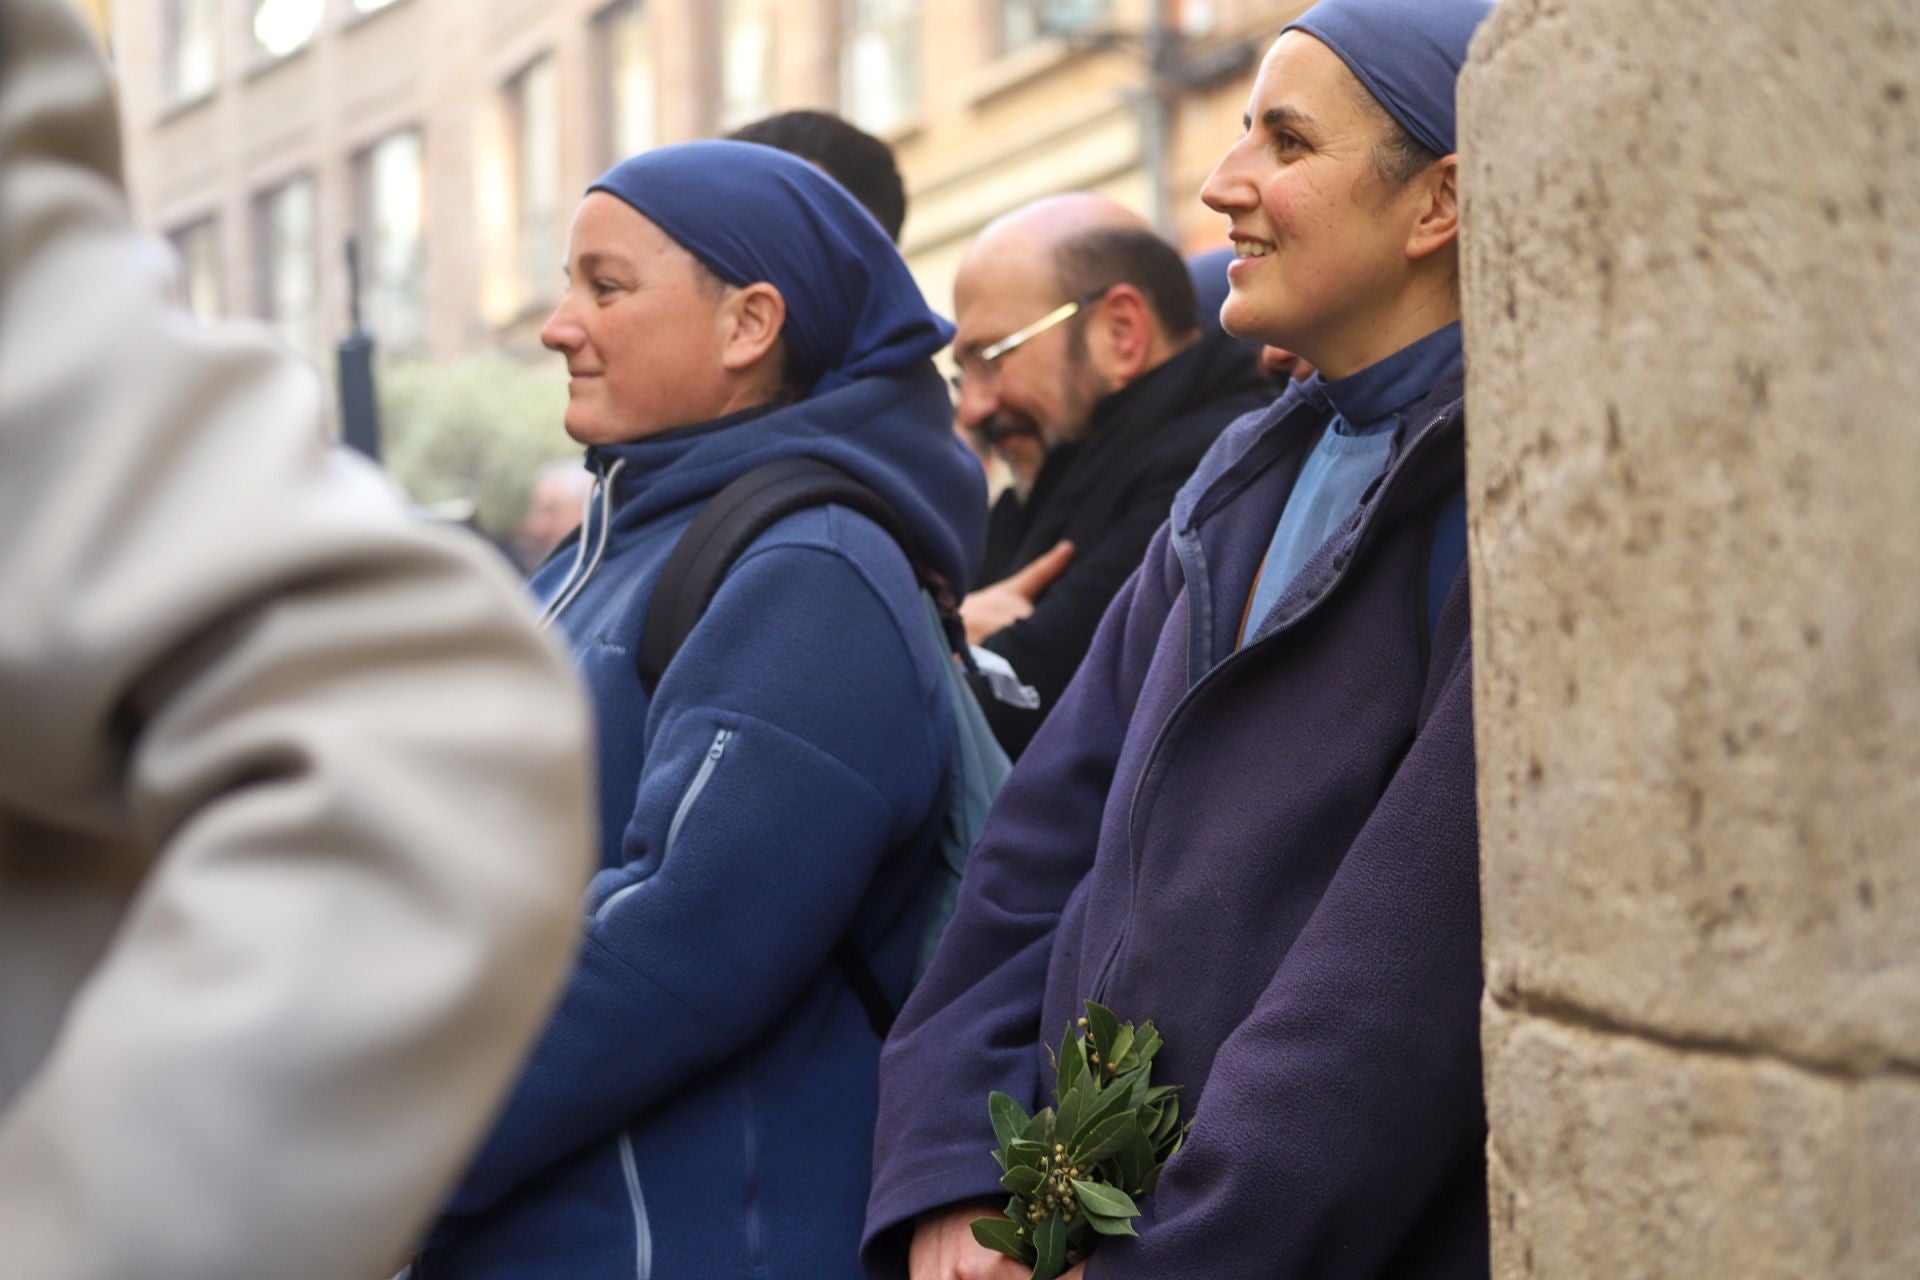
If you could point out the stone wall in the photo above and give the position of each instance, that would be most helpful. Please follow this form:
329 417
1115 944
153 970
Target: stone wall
1692 278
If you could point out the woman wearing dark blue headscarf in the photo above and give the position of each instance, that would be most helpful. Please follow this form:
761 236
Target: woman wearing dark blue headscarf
702 1104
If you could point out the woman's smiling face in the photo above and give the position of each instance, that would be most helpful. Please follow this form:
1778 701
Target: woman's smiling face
1321 242
642 325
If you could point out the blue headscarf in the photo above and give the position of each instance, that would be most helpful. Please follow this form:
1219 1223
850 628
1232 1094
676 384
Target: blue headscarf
750 213
1406 52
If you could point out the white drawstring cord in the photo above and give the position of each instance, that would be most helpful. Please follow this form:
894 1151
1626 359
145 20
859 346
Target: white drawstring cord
579 550
565 598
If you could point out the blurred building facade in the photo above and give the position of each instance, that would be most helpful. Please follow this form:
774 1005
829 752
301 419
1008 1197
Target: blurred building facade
450 136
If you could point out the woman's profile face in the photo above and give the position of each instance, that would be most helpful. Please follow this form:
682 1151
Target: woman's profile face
642 327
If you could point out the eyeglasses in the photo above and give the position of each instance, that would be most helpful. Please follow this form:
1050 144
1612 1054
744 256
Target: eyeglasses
984 363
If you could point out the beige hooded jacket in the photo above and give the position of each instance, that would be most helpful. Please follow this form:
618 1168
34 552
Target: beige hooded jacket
294 801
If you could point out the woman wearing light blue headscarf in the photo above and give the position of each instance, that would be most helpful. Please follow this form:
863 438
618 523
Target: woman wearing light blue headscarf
702 1104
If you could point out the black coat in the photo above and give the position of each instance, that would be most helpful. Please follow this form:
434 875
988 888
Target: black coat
1107 494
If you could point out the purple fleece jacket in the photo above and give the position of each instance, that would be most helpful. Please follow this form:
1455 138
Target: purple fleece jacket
1273 854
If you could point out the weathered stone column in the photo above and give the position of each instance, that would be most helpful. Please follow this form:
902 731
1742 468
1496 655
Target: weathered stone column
1692 272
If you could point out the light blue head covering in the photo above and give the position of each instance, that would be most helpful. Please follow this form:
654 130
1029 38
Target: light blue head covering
750 213
1407 53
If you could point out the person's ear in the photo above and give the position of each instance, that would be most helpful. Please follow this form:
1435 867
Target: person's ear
754 316
1438 222
1124 327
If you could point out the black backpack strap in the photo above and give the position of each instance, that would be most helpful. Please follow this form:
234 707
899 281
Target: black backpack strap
698 563
865 986
724 529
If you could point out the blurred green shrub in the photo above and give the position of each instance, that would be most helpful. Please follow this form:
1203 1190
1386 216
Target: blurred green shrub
477 428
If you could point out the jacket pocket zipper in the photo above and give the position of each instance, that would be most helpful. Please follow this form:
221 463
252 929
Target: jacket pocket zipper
701 776
642 1229
756 1248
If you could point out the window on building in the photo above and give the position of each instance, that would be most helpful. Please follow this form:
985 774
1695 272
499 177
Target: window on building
281 26
198 244
289 264
1023 22
630 95
389 195
533 101
191 38
880 63
746 61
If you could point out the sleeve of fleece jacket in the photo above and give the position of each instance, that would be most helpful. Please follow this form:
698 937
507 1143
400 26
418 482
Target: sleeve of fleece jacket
349 775
972 1025
1046 647
833 754
1337 1111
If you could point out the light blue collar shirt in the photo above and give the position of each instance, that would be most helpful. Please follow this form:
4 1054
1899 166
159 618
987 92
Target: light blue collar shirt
1349 456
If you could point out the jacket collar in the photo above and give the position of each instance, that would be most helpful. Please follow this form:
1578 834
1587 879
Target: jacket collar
1379 392
1285 431
653 452
1427 458
1211 367
892 433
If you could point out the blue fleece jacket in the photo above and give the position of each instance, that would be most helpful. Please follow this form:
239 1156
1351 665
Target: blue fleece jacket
702 1104
1269 850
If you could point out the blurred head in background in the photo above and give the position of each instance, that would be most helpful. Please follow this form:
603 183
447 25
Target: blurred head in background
1059 304
852 157
553 511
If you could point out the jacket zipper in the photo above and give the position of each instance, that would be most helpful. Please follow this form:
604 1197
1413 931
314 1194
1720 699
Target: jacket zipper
629 1166
716 749
1187 700
642 1229
756 1248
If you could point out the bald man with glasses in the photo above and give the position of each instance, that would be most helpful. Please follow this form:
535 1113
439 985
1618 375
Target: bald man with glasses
1079 364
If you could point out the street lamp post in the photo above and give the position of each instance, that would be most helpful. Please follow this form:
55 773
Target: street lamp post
359 410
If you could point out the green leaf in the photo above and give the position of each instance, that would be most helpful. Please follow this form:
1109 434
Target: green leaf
1134 1159
1102 1201
1122 1044
1040 1128
1073 1108
1103 1139
1133 1083
1002 1236
1027 1155
1009 1117
1102 1027
1049 1248
1070 1065
1112 1227
1146 1042
1022 1180
1169 1118
1107 1102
